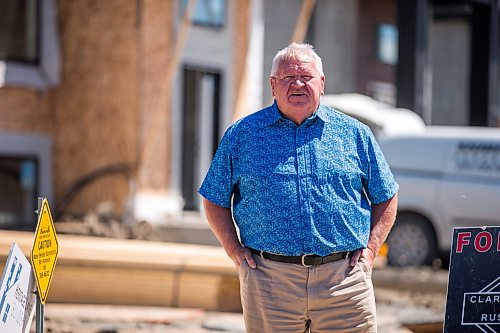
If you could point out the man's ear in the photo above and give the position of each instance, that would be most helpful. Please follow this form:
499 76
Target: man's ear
323 79
272 83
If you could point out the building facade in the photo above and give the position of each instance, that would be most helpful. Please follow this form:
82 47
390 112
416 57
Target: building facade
122 102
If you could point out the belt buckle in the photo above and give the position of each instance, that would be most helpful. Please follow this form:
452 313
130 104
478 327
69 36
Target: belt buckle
303 257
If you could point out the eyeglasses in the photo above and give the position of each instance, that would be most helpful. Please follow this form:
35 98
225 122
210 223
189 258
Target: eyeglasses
293 78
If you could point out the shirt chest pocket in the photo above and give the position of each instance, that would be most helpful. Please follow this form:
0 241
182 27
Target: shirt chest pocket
343 173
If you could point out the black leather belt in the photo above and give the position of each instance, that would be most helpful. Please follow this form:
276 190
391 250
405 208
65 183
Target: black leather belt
306 260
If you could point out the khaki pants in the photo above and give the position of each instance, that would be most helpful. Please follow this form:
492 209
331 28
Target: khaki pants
279 297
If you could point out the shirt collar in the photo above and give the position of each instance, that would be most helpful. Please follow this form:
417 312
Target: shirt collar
324 113
274 115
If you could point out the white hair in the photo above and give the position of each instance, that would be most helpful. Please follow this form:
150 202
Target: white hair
297 51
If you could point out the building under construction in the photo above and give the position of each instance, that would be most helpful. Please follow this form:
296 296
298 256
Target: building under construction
124 102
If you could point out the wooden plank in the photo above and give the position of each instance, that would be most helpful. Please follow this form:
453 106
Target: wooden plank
132 272
299 33
112 286
121 253
425 327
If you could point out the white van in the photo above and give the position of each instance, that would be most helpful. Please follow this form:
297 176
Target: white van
448 176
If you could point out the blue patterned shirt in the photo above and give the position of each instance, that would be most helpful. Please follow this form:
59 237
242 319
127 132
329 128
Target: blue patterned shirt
300 189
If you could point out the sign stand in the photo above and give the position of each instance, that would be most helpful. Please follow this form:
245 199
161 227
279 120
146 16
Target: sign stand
43 258
40 316
40 307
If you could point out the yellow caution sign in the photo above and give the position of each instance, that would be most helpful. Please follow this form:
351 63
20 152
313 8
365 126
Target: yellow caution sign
44 252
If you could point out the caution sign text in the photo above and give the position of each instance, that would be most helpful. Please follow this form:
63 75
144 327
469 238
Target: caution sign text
44 252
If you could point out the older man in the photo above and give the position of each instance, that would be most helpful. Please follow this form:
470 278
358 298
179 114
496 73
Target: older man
314 200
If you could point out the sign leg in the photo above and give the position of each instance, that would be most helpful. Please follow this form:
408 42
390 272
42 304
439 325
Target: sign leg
40 308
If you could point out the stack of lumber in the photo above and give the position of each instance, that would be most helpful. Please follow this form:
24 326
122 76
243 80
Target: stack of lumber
131 272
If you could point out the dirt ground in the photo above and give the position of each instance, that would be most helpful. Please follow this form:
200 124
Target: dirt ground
104 222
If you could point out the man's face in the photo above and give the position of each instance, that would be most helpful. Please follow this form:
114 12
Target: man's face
297 87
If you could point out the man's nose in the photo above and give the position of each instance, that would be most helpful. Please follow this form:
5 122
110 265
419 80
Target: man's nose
298 81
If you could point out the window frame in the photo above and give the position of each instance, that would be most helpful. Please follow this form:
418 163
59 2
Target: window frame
24 221
45 73
37 146
182 8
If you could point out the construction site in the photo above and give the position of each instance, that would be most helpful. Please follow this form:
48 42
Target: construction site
105 284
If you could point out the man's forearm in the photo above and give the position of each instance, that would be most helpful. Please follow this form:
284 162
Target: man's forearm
221 222
222 225
383 217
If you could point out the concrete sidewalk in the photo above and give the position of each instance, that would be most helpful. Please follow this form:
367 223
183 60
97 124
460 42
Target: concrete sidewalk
77 318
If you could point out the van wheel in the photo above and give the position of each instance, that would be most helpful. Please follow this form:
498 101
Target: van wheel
411 241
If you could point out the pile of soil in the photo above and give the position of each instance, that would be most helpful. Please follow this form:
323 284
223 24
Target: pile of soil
105 222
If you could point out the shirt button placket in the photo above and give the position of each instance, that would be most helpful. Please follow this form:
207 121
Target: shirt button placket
302 178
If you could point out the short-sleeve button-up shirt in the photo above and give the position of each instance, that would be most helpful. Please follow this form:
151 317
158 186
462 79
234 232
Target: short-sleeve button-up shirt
300 189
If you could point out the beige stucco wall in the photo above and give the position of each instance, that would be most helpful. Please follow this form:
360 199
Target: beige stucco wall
25 111
95 106
114 54
156 47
